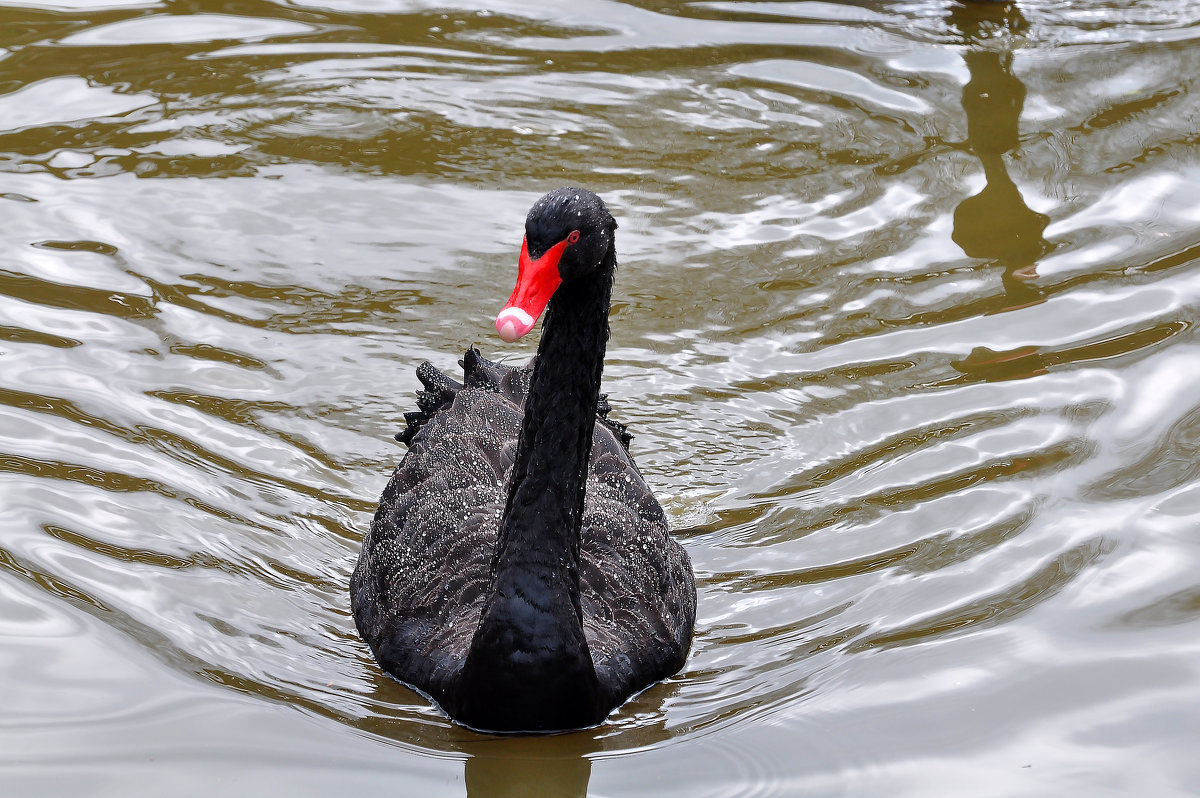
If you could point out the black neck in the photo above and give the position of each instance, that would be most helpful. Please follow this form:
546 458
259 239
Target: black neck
545 497
529 653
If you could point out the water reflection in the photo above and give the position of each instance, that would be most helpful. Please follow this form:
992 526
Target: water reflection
552 767
996 224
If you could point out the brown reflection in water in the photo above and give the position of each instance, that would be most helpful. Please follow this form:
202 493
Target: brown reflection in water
185 87
996 224
554 767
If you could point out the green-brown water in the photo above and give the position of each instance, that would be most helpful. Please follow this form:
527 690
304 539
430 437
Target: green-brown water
904 327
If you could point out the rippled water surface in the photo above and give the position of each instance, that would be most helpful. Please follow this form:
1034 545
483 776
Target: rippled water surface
904 326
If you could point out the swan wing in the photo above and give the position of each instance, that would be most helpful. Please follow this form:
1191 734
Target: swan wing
637 591
418 589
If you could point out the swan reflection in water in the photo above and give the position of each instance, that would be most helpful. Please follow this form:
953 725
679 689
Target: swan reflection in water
996 224
554 767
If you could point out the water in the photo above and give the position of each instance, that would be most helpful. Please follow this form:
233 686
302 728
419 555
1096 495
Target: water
904 328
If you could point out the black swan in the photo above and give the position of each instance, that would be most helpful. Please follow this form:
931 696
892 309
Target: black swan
518 570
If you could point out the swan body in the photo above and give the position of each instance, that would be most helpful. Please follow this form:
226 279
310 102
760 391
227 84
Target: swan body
519 570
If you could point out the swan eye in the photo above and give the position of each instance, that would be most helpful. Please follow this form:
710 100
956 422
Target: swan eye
571 239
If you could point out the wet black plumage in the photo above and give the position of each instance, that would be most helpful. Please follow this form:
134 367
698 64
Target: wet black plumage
519 570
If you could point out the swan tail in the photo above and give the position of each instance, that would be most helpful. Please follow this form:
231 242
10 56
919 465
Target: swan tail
479 372
439 390
511 382
603 408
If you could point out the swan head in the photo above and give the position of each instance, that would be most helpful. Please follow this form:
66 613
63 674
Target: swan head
568 234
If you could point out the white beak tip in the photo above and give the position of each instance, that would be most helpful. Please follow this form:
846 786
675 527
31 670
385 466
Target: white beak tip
512 323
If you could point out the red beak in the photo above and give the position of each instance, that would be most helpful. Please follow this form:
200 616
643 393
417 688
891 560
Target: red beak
537 280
